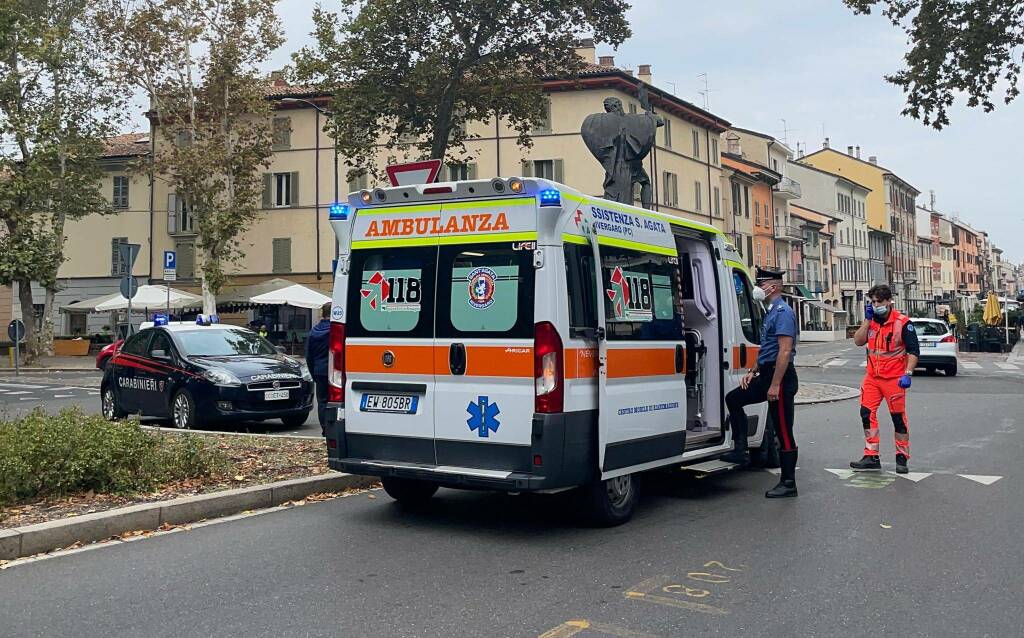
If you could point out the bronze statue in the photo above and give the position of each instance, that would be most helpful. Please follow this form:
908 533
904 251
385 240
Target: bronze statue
621 141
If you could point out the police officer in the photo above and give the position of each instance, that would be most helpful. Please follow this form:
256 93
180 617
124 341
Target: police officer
774 379
892 351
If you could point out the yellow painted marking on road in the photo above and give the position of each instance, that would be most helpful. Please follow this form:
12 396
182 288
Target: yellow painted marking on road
573 627
673 602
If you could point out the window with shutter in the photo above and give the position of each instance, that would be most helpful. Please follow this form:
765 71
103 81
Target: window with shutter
120 195
293 189
544 169
696 143
668 133
544 126
172 214
718 202
186 256
358 183
282 254
697 199
117 267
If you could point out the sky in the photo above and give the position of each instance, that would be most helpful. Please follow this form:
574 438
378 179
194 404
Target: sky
819 67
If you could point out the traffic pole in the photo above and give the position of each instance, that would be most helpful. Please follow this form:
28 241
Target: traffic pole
17 352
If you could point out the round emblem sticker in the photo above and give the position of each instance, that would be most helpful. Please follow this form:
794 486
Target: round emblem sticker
481 288
337 313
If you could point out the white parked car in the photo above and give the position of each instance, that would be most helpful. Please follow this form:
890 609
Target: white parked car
938 345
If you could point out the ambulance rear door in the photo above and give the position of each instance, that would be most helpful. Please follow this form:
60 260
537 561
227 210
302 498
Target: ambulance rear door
642 390
484 397
389 347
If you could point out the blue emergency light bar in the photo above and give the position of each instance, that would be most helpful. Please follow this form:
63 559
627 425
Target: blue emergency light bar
159 320
207 320
339 211
550 197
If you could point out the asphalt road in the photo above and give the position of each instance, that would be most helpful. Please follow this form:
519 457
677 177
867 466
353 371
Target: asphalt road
866 555
56 391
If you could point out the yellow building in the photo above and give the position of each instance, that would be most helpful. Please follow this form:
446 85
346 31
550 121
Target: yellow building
291 238
891 206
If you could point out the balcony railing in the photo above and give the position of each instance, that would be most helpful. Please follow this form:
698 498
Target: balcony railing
790 233
793 276
788 188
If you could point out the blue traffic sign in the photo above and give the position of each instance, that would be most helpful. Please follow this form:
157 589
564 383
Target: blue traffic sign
170 259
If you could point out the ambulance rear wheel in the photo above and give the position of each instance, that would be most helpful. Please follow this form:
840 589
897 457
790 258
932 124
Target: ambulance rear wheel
408 491
183 411
612 502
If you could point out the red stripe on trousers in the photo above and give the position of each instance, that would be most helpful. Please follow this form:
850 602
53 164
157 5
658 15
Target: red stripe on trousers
786 443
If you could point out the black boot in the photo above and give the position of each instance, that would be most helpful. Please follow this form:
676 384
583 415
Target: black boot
787 483
739 454
867 463
901 464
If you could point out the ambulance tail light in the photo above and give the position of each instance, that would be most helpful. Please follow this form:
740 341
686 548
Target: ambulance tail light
549 369
336 364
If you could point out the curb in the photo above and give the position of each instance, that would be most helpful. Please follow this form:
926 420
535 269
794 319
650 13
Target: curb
9 372
18 542
846 393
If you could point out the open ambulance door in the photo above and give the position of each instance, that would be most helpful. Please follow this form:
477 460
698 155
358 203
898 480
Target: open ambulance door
641 350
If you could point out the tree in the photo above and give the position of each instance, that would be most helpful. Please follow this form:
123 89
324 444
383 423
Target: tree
971 47
56 106
420 69
198 63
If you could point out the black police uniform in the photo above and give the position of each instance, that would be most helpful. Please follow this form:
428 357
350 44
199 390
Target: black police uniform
780 321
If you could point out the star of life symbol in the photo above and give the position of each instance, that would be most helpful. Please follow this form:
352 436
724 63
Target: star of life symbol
383 289
483 416
620 288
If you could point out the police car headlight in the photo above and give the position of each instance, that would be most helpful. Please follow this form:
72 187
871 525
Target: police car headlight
221 377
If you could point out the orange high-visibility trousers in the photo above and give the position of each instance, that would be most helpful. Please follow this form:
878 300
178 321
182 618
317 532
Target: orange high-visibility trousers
872 391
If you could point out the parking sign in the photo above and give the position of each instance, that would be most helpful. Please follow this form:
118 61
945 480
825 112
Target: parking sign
170 265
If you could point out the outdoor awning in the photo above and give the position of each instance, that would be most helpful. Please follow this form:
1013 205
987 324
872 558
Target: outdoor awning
153 297
276 292
814 303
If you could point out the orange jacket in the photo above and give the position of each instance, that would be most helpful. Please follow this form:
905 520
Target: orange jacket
887 354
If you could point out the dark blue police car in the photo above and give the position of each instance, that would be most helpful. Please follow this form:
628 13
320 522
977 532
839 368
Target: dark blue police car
205 372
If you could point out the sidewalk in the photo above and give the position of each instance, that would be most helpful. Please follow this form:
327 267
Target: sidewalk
1017 354
52 364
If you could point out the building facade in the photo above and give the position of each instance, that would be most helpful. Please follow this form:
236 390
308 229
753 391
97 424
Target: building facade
966 258
750 195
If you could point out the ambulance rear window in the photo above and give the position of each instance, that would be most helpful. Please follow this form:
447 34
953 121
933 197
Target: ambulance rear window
486 290
391 292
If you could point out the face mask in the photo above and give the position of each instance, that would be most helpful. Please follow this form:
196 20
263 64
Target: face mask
759 294
881 311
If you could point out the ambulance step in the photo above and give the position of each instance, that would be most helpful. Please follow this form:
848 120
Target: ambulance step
710 467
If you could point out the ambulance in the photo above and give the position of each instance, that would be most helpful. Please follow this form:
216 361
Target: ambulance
518 335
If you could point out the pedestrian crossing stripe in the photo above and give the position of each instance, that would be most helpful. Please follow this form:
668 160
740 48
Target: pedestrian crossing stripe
880 478
913 476
863 364
1006 366
970 365
837 362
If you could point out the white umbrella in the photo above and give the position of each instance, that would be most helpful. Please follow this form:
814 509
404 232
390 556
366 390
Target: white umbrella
294 295
151 297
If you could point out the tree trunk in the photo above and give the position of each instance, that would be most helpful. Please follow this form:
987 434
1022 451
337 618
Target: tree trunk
209 296
30 351
46 334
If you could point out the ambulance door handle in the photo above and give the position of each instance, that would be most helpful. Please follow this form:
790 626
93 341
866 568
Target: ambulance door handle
743 355
680 358
457 358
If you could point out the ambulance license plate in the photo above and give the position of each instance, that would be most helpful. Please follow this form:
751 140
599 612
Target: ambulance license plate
275 395
398 403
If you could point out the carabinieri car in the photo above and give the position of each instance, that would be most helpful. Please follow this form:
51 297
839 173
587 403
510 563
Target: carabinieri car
205 373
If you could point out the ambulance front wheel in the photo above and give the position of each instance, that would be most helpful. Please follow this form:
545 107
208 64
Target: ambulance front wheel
612 502
408 491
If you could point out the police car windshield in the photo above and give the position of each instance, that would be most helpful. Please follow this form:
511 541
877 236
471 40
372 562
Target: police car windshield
222 343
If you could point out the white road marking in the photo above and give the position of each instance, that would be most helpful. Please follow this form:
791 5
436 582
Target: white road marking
94 393
980 478
863 364
843 474
62 396
1006 366
27 398
19 392
22 386
913 476
970 365
837 362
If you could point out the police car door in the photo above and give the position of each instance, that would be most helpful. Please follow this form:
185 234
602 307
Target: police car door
160 354
130 370
485 335
389 323
642 402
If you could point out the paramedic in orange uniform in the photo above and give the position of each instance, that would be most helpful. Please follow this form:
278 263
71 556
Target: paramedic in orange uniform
892 351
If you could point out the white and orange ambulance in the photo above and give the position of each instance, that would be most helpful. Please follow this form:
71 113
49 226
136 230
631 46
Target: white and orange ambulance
515 334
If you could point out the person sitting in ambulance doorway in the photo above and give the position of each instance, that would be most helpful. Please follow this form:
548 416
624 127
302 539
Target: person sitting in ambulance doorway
774 379
892 351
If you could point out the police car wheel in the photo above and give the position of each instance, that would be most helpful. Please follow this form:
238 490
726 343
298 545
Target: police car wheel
183 411
408 491
612 502
295 421
108 401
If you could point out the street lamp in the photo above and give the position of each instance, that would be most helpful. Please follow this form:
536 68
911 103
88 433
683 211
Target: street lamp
316 183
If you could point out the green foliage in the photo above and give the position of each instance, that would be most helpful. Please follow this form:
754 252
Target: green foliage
53 455
958 47
420 69
198 61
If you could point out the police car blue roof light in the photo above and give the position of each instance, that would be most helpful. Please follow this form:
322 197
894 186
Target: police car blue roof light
339 211
207 320
550 197
160 320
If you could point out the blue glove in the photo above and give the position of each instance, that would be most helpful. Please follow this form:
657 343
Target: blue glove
904 381
869 311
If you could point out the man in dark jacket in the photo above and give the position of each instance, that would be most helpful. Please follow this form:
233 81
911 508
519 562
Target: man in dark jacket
317 351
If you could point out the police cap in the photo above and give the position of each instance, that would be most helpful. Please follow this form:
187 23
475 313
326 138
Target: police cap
764 274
